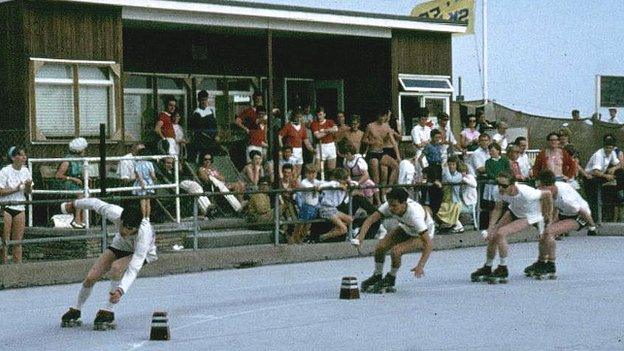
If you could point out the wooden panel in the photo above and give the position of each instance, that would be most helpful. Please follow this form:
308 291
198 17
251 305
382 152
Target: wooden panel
13 67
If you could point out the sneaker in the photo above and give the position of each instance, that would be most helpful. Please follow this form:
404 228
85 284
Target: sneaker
457 230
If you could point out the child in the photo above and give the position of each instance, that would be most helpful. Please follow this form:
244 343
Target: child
307 202
145 176
331 200
433 152
451 203
411 172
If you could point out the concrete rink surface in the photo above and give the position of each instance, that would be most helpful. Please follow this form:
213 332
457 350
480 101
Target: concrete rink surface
296 307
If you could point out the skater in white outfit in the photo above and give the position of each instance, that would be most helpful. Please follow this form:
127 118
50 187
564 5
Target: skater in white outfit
519 207
574 214
132 246
415 230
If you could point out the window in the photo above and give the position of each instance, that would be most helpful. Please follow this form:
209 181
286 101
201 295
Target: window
441 84
72 98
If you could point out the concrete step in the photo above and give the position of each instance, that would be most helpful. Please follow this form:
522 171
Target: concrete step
218 238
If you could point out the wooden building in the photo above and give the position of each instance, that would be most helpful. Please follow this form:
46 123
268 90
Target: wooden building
68 65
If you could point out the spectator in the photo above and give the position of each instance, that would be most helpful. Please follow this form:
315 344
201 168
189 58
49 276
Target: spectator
476 161
204 126
164 125
247 119
307 202
433 153
451 203
352 136
383 168
125 170
253 171
145 175
411 172
555 159
324 131
576 115
258 135
501 135
523 158
448 139
601 166
288 205
493 166
258 208
468 191
613 115
208 170
343 128
294 134
331 199
178 131
421 133
470 135
71 176
15 183
166 174
483 125
513 153
358 170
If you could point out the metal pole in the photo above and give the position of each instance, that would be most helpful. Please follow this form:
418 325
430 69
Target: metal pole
195 224
272 133
276 220
350 232
102 159
177 187
30 198
85 186
104 234
485 54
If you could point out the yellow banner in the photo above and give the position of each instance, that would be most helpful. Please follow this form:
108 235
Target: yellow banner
453 10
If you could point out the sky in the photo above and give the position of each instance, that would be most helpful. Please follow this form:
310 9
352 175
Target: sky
543 55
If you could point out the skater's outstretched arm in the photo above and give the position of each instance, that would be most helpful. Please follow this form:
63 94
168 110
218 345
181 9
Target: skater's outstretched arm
419 269
368 222
109 211
144 240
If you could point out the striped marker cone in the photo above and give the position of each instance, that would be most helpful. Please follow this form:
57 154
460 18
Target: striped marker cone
160 326
349 289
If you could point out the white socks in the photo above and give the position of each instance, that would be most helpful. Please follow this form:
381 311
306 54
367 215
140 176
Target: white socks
83 295
503 261
489 262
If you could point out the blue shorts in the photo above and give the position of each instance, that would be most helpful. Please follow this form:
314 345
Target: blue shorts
308 212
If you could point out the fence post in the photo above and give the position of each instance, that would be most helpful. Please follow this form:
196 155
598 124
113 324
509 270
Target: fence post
176 173
30 197
85 185
104 234
276 217
350 228
195 224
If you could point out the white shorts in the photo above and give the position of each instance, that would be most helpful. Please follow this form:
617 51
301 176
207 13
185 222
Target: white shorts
298 155
328 152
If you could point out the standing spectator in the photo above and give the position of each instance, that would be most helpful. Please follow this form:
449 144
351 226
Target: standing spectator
513 153
287 199
204 126
601 166
341 123
555 159
375 136
476 161
576 115
493 166
247 119
71 176
448 139
411 173
470 135
178 131
324 131
306 122
523 158
421 133
125 170
501 135
354 135
613 115
433 153
294 134
307 202
15 183
258 135
164 125
145 175
452 202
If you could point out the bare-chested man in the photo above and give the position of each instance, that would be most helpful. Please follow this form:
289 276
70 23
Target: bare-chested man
377 133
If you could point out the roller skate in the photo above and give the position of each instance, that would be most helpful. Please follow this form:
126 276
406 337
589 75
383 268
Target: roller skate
481 274
368 284
546 269
530 270
386 285
104 320
71 318
499 275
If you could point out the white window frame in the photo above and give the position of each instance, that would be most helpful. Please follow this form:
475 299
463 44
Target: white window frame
407 136
36 136
445 79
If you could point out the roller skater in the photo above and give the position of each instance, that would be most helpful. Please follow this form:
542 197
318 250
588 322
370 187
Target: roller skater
519 207
574 214
132 246
415 230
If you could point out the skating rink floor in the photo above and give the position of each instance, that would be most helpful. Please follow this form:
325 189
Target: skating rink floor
296 307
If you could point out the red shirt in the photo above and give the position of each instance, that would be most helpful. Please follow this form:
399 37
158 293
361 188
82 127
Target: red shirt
167 125
248 117
292 137
257 136
327 124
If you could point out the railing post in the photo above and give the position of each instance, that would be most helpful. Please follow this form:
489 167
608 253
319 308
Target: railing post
276 217
85 185
176 173
30 197
104 234
599 203
195 223
350 228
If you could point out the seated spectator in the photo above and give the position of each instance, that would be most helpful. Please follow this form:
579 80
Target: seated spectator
513 153
470 136
451 206
286 157
468 191
483 124
476 161
288 205
307 202
331 199
358 170
145 175
555 159
208 170
523 158
166 174
258 208
15 183
253 171
601 166
501 135
70 175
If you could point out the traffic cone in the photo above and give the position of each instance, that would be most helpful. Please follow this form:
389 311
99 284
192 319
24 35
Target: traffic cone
160 326
349 289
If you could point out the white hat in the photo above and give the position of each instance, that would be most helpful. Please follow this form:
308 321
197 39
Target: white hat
78 145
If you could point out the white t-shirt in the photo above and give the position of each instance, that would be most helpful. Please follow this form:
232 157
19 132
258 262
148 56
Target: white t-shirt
568 201
420 134
309 197
359 159
125 170
501 139
11 178
526 203
414 221
600 161
477 160
332 198
525 165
